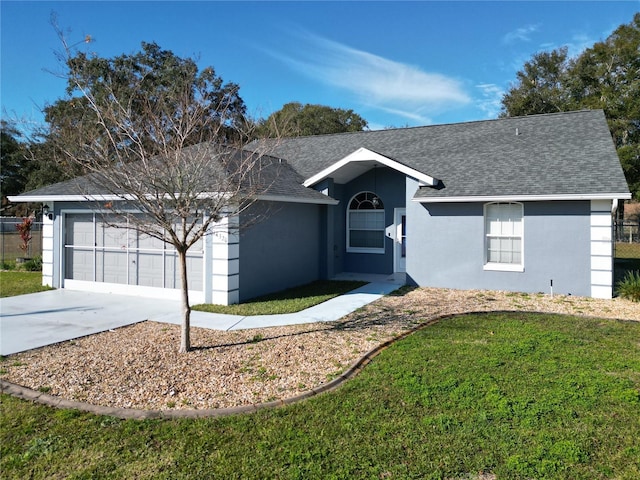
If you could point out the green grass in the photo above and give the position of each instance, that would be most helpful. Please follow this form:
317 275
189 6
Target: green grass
18 283
287 301
518 395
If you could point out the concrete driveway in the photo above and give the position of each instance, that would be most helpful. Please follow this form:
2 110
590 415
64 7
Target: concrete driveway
38 319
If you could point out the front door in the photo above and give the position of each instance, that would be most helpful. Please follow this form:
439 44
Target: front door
400 243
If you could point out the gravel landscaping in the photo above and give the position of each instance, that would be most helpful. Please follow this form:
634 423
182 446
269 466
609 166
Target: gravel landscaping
139 367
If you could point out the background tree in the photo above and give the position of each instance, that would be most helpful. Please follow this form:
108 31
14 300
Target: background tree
20 167
162 137
605 76
47 164
295 119
540 86
14 168
150 79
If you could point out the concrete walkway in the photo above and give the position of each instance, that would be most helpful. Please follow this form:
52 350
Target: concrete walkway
328 311
39 319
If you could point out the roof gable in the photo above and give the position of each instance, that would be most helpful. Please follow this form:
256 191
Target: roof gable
361 161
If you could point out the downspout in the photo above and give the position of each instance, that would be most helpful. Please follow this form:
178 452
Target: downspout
614 210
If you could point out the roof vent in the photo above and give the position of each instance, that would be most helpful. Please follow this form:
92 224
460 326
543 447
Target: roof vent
517 132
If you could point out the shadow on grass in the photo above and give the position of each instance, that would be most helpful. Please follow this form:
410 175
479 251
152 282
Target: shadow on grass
287 301
321 287
358 320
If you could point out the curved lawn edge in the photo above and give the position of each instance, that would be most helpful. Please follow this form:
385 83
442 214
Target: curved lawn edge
29 394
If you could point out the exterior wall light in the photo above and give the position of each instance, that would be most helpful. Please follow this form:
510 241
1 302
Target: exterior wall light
46 211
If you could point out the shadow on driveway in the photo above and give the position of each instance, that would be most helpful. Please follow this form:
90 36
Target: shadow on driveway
39 319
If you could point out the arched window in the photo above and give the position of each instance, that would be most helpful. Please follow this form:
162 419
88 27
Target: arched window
503 236
365 224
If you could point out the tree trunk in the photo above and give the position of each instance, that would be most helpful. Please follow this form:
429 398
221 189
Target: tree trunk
185 337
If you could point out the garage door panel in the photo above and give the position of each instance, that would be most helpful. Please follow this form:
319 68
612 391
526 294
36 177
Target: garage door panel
98 251
79 229
194 273
149 242
111 267
171 272
79 265
110 236
149 269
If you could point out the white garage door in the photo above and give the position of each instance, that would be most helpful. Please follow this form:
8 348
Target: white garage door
97 251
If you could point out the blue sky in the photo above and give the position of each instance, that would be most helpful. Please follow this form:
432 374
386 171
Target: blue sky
394 63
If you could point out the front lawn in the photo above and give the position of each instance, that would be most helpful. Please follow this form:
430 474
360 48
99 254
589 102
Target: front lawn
288 301
19 283
515 395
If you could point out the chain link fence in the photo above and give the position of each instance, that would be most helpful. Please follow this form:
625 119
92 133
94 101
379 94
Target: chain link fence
626 233
627 238
10 240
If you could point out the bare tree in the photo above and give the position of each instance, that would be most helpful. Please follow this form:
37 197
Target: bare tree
164 143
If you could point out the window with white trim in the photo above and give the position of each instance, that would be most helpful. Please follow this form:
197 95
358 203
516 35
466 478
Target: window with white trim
365 224
503 236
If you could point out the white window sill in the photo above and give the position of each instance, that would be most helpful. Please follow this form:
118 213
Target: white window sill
379 251
503 267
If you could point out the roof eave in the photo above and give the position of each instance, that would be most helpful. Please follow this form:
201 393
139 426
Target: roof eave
63 198
294 199
108 198
524 198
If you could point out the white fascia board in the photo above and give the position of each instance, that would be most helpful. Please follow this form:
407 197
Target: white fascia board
85 198
364 155
287 199
524 198
63 198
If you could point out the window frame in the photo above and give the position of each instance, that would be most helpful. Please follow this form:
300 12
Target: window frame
377 212
503 266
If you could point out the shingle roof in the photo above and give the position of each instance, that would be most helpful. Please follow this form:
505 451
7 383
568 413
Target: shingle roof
559 154
75 186
568 153
271 178
283 182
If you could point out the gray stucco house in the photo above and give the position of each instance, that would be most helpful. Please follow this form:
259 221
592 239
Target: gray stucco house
509 204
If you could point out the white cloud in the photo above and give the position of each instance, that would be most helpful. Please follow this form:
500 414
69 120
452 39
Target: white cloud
522 34
416 117
490 101
398 88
